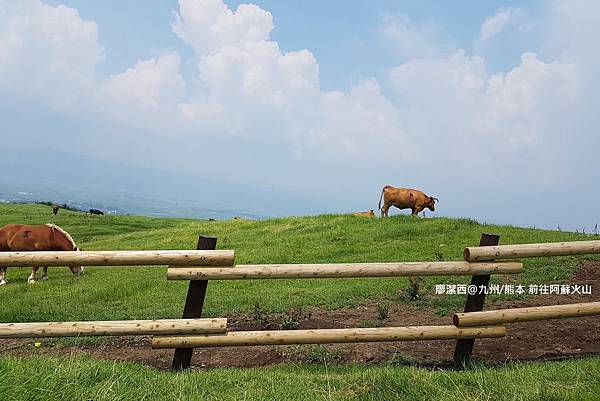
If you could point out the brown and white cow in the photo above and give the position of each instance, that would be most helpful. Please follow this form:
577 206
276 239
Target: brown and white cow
46 237
405 198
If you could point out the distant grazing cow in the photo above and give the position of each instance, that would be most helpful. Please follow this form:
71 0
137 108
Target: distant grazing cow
370 213
405 198
96 211
55 209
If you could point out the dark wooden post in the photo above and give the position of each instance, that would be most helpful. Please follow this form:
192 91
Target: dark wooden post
474 303
193 307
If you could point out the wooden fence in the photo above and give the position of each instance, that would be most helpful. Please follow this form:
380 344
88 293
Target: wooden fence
206 263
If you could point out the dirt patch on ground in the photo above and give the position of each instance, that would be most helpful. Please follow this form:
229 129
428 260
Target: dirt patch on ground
553 339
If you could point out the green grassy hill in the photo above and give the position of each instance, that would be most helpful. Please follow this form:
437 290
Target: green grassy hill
111 293
142 293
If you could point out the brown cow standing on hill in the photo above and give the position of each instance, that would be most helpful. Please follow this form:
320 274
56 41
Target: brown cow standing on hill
405 198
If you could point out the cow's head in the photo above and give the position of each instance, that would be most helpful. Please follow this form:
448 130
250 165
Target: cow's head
431 203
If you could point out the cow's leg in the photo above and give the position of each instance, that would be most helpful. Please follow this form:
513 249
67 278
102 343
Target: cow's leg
45 276
416 210
384 210
31 278
3 275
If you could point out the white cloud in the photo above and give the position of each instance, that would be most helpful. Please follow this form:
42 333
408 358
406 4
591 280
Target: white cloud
260 74
570 31
439 80
492 26
460 113
522 99
151 86
47 52
410 39
243 85
248 86
209 25
359 122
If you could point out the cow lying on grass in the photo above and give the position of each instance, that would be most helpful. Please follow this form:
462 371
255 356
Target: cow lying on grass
370 213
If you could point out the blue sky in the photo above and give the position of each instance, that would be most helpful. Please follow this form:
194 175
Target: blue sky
490 106
343 35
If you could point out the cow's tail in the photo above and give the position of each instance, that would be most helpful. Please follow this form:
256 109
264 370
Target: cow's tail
381 196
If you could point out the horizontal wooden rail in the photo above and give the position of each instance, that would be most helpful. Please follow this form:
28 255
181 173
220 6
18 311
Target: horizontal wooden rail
117 258
483 253
113 328
325 336
501 316
341 270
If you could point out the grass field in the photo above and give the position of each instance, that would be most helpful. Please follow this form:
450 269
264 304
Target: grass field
81 378
111 293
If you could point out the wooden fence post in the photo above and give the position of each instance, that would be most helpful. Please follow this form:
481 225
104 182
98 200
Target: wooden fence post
474 303
193 307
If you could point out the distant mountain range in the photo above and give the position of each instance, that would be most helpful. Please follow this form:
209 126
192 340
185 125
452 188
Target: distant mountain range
85 182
